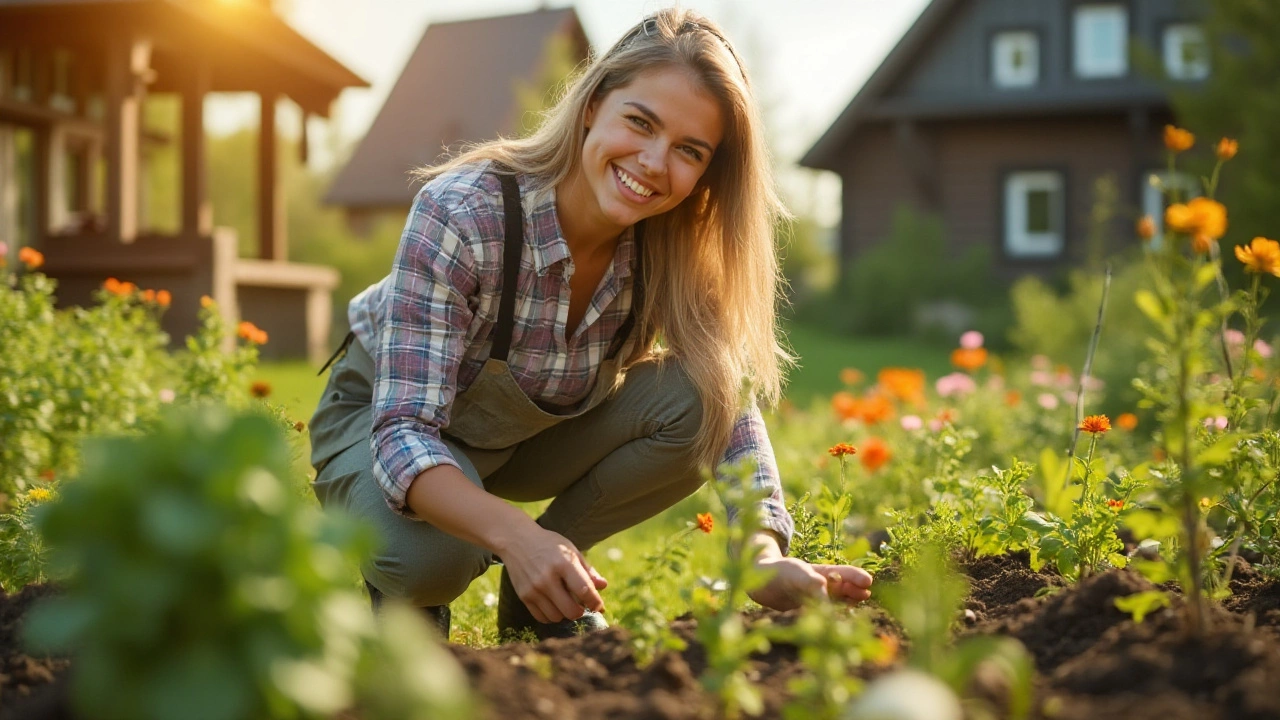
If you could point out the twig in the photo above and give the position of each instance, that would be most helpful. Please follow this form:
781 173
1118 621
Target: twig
1084 374
1215 255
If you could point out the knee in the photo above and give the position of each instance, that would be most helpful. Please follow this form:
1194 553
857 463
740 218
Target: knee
672 401
431 579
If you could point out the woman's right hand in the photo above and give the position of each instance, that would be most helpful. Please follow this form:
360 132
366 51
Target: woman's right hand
552 578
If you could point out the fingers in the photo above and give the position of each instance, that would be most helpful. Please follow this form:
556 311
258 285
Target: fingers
845 582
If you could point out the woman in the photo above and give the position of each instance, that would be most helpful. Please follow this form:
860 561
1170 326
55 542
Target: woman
513 351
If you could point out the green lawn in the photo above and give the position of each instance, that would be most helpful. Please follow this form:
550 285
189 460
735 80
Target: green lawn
822 356
294 384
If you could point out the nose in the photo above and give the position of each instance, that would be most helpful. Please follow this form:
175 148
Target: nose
653 159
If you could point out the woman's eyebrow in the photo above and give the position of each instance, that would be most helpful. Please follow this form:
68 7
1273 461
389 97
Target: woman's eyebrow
653 118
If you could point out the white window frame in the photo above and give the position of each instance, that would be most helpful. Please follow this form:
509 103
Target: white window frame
1019 243
1155 188
1176 64
1087 20
1003 47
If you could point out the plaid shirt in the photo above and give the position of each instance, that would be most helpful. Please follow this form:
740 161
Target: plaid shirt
429 325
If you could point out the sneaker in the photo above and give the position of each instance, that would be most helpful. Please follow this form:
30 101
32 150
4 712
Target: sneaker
515 620
437 616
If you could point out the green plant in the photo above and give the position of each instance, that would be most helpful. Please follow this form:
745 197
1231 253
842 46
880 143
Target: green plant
639 610
197 584
832 642
22 550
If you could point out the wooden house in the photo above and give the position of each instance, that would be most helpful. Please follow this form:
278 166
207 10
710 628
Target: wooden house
1000 115
462 84
73 77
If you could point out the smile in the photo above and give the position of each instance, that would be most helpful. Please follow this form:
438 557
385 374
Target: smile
631 183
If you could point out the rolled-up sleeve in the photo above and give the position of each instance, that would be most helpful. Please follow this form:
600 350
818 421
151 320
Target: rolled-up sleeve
419 348
750 440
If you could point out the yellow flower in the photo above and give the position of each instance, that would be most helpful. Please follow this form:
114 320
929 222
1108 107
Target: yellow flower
1146 227
1203 219
1227 149
1177 139
1096 424
39 495
1260 256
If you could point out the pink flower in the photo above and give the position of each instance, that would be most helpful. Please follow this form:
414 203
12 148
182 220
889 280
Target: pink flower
4 249
1041 377
1094 384
1234 337
911 422
1070 397
955 384
1040 362
995 383
971 340
167 395
935 425
1048 401
1262 348
1219 422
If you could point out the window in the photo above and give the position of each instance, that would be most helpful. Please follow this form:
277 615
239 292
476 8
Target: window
1158 190
1186 52
1101 41
1015 59
1033 215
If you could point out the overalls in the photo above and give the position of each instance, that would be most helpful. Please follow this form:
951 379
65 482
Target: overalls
615 460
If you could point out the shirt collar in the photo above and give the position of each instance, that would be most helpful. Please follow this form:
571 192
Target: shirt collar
548 244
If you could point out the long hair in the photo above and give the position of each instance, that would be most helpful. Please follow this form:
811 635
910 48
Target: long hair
711 276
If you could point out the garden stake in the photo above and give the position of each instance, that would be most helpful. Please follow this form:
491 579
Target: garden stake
1088 364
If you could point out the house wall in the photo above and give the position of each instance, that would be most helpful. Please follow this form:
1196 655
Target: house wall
970 160
955 63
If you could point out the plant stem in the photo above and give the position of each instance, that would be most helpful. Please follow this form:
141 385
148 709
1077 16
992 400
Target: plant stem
1084 374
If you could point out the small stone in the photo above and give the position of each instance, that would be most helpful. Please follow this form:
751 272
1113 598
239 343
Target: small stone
970 616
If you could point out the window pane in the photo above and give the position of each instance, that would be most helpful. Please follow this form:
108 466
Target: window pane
1039 211
1101 41
1015 59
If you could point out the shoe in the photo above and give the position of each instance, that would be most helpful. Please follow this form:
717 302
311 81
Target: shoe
437 616
514 619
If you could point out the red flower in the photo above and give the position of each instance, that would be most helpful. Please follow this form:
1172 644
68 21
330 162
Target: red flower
260 389
841 449
1096 424
1116 505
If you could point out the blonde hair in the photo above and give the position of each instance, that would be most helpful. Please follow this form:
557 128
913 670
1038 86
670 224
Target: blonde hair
710 272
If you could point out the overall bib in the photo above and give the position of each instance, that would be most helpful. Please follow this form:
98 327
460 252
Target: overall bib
615 459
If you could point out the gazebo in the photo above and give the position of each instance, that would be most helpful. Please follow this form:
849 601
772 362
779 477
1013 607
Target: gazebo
73 75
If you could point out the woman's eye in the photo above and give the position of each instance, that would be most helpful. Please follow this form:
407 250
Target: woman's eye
693 153
639 121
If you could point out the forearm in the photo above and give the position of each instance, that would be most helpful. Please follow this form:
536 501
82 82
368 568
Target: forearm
447 499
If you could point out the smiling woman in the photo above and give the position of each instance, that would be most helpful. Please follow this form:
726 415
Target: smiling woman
513 351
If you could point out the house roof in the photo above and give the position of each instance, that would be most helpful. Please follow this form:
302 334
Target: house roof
247 44
458 86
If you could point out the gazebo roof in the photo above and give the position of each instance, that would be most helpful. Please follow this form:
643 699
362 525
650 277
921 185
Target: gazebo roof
458 86
248 47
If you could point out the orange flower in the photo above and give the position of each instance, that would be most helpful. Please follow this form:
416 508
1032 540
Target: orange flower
946 415
112 286
851 376
845 405
1227 149
874 409
31 257
260 389
875 453
905 384
1204 219
206 301
47 475
163 298
969 359
299 426
1013 398
841 449
149 296
889 648
128 288
706 522
1096 424
251 332
1115 505
1260 256
1146 227
1177 139
1127 421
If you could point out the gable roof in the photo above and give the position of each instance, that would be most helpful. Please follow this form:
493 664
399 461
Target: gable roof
458 86
247 43
929 22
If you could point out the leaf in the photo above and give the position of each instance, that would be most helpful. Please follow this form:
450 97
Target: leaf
1150 305
1139 605
1218 453
1205 275
1152 524
1155 571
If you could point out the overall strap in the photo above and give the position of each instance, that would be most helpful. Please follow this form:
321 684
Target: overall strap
637 295
513 243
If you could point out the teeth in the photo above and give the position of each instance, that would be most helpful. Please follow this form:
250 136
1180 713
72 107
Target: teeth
630 182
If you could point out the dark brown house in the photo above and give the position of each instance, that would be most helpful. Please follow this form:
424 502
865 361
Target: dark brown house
1000 115
74 75
465 82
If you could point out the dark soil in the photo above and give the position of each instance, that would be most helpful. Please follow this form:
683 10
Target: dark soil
1093 662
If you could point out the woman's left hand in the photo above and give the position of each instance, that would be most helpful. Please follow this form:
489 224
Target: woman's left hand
794 580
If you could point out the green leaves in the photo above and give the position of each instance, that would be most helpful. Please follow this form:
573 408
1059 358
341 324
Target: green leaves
1142 604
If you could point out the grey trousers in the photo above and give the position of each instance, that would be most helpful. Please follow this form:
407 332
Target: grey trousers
610 468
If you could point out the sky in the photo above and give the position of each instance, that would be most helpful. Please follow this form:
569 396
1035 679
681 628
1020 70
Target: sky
806 58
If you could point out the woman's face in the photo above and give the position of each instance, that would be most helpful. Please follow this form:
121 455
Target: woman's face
647 144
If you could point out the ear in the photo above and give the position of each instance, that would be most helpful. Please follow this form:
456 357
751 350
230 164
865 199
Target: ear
588 117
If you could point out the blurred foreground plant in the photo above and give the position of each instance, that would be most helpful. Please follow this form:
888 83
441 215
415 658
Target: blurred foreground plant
198 585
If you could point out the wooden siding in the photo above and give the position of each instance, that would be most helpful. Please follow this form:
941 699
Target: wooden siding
971 159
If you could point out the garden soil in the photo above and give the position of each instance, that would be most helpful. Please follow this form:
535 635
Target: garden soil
1093 662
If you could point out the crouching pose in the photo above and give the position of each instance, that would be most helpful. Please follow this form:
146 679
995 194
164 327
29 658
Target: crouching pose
571 316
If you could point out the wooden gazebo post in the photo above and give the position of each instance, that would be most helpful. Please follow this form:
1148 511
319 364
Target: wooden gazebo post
272 229
197 214
128 61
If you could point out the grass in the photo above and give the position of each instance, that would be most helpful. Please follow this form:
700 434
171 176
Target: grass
822 355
